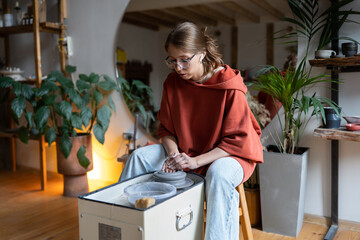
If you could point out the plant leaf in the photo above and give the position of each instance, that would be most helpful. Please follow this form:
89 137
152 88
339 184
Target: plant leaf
86 116
111 104
23 134
75 97
49 99
84 77
27 91
17 88
50 136
94 78
108 84
82 85
70 69
28 117
83 160
65 109
6 82
18 106
65 145
103 117
99 133
41 116
97 96
76 121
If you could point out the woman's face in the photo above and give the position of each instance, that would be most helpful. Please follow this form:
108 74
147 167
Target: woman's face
195 70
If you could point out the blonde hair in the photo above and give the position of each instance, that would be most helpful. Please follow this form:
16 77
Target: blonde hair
190 38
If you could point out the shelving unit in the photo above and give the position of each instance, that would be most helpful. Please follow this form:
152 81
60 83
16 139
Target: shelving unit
337 65
36 27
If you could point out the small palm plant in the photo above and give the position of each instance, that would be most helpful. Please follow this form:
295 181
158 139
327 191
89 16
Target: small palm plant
309 21
289 89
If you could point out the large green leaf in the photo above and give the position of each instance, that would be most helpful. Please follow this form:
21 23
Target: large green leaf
28 117
65 109
94 78
65 145
6 82
23 134
50 136
83 160
18 106
17 89
70 69
111 104
75 97
27 91
86 116
108 84
82 85
84 77
49 99
99 133
103 117
97 96
65 83
49 86
41 116
76 121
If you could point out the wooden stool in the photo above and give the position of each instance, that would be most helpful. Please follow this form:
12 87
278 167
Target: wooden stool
245 232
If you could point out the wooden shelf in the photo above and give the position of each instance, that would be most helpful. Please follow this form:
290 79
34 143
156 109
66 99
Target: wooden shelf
339 62
43 27
337 134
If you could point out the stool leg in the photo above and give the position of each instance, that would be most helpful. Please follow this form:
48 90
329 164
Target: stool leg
244 218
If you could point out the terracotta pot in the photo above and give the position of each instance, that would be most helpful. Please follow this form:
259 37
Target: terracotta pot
253 202
75 176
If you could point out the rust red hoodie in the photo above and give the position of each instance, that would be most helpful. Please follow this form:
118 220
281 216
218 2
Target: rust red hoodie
213 114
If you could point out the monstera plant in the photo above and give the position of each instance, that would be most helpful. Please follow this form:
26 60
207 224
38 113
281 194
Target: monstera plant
62 108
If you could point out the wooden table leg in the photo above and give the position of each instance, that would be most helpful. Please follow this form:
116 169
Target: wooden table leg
43 162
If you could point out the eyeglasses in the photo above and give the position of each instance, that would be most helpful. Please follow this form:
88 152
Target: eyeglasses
184 64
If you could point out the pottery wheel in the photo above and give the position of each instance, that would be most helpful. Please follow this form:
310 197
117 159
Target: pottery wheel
177 179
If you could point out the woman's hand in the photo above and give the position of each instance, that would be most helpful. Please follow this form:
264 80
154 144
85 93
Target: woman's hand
170 164
184 161
179 161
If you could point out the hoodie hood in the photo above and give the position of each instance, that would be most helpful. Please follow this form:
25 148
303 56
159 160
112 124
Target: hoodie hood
226 78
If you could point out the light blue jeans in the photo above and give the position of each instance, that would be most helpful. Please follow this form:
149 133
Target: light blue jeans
222 199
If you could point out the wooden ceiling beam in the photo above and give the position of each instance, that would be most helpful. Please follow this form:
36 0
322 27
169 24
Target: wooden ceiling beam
192 16
165 16
264 4
150 19
139 23
212 13
232 6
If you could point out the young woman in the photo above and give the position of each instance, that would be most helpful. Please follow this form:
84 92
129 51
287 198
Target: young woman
206 126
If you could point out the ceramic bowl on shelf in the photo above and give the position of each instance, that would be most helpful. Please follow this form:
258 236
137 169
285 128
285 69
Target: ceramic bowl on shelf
353 127
352 119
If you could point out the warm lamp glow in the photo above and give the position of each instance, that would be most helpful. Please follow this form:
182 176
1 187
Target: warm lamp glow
106 166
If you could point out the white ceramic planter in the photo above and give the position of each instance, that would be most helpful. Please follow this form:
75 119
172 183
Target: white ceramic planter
282 192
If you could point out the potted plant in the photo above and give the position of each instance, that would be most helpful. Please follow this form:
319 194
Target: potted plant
284 171
66 113
139 98
309 21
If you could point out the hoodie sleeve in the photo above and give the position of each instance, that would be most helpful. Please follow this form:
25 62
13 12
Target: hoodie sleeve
166 127
241 133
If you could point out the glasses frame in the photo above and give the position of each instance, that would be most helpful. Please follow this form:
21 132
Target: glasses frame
172 64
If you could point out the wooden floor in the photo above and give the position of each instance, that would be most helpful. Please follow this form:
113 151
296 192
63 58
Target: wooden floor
26 213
